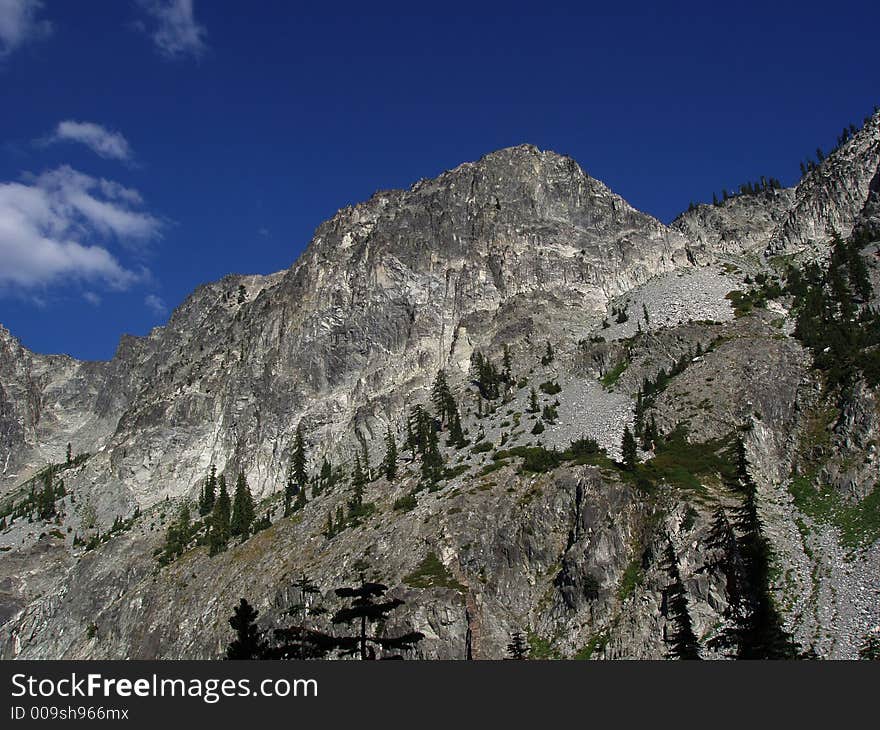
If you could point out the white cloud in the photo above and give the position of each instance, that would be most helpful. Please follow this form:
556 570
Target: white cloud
155 303
176 32
19 24
103 142
92 298
54 228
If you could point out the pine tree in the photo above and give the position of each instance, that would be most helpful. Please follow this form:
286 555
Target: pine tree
178 535
456 434
432 459
209 493
683 641
506 364
753 628
366 608
518 648
300 640
628 449
763 635
218 535
299 457
248 642
533 401
69 455
359 483
326 478
297 477
441 396
46 499
389 463
365 457
242 509
548 355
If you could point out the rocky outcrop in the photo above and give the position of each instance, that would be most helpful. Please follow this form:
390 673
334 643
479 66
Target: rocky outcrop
828 199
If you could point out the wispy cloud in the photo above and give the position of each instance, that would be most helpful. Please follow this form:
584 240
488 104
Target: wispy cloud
102 141
55 228
156 304
20 24
92 298
175 31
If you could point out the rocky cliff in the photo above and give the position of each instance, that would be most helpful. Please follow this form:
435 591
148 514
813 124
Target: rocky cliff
516 251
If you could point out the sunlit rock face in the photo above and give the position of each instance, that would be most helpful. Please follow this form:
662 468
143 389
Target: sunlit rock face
519 249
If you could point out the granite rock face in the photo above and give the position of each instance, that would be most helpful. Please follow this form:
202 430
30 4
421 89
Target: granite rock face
519 249
828 199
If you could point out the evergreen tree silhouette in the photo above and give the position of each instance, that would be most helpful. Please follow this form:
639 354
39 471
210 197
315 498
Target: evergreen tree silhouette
365 609
209 493
218 534
683 641
300 640
753 627
389 463
628 449
533 401
441 396
248 642
518 648
242 509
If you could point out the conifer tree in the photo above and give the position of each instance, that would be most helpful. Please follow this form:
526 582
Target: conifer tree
242 509
389 463
456 434
326 477
533 401
301 500
506 365
218 535
548 355
441 396
365 457
209 493
367 608
46 499
178 535
301 640
682 640
69 455
518 648
249 642
358 482
299 457
432 459
763 635
628 449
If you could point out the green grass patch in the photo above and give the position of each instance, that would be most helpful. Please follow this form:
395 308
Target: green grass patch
541 648
858 523
550 387
431 573
405 503
597 642
630 580
613 375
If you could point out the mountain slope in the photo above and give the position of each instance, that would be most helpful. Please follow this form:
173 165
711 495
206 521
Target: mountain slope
522 251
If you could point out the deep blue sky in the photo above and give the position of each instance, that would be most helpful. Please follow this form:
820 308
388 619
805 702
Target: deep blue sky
242 146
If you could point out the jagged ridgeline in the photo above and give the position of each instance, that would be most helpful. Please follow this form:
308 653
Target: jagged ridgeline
500 413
